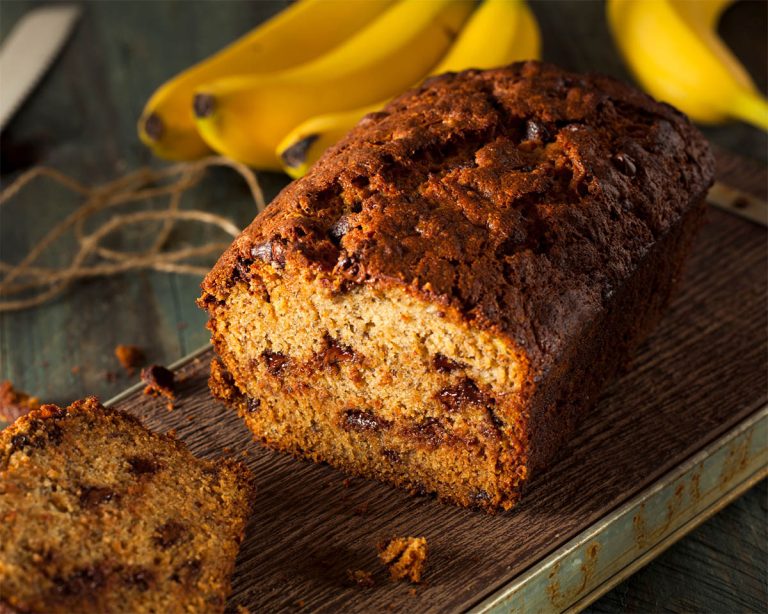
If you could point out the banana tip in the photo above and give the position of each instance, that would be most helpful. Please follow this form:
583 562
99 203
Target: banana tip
296 155
204 105
153 126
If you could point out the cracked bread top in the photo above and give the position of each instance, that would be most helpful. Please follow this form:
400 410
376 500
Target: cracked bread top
520 198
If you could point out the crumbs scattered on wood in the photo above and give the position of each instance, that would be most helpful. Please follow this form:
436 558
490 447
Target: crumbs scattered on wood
159 381
130 357
405 557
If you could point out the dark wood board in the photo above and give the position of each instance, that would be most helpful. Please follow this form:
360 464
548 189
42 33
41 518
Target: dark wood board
700 373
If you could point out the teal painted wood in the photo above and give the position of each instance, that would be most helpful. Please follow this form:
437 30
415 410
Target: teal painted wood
82 120
625 539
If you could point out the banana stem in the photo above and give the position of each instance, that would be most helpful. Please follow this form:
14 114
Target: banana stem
751 108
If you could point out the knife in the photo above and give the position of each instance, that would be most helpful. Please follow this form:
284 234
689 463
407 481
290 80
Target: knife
29 50
738 203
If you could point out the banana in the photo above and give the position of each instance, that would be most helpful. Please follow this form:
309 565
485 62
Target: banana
673 49
298 34
499 32
245 117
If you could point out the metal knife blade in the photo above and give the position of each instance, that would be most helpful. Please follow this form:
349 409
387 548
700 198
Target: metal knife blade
739 203
29 50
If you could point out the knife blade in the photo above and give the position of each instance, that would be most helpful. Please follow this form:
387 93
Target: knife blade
29 50
739 203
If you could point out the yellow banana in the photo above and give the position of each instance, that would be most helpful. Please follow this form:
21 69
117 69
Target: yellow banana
298 34
245 117
673 49
499 32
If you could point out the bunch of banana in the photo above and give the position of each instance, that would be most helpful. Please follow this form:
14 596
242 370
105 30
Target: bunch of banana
333 60
300 33
674 51
499 32
245 117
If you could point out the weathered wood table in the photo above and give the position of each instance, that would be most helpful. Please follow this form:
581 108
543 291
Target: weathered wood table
82 120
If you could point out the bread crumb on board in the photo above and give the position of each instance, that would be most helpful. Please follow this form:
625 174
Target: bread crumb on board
405 557
130 357
159 381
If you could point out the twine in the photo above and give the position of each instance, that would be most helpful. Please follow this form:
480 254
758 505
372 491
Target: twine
91 258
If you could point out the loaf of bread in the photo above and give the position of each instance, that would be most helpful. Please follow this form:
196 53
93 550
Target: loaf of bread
98 514
449 287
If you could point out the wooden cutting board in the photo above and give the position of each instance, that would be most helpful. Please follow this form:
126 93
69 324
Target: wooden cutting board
702 372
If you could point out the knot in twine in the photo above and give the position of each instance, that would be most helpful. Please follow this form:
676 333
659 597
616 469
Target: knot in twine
39 284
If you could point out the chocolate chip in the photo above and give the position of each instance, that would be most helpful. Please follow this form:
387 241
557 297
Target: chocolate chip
335 352
140 579
430 431
465 392
536 132
253 404
392 456
339 229
276 362
361 421
242 269
495 420
18 442
91 496
271 252
443 364
350 266
80 581
159 381
188 572
169 534
625 164
140 465
55 434
479 497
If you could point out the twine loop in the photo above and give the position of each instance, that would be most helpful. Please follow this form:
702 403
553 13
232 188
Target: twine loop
26 284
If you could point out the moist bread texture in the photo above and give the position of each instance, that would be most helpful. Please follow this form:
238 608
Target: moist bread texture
99 514
450 286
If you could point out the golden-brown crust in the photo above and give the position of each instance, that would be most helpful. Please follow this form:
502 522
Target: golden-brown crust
550 209
522 197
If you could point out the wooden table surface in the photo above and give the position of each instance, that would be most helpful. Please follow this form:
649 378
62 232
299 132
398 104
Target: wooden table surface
81 120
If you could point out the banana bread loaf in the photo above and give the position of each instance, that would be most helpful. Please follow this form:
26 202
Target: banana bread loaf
98 514
449 287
